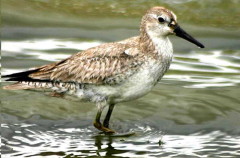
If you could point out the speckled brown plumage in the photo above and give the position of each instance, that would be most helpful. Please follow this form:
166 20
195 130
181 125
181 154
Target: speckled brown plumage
98 65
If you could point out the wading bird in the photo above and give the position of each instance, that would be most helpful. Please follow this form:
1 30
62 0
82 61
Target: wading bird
112 72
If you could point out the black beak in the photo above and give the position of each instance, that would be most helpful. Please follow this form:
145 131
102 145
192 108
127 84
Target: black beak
181 33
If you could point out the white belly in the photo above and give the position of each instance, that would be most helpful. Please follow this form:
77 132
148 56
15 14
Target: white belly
142 82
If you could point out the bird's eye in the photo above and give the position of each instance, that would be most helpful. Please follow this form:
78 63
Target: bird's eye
161 20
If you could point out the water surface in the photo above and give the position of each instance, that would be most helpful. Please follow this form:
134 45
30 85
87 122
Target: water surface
194 111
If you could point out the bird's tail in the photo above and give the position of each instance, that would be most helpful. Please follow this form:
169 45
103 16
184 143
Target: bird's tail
35 78
23 80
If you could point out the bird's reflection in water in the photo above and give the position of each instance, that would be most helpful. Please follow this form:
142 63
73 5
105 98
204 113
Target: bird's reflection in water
102 147
107 140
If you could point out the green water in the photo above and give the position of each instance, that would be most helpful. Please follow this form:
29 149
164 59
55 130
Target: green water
194 111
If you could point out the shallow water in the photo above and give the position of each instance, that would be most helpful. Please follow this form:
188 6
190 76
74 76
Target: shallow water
194 111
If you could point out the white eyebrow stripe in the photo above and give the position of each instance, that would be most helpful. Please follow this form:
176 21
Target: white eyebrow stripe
167 19
153 15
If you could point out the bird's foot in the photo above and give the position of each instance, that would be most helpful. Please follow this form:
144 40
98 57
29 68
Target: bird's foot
100 127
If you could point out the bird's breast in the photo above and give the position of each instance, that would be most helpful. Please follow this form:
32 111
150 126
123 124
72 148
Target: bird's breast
142 81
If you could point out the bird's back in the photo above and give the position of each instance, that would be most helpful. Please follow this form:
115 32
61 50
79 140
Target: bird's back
108 63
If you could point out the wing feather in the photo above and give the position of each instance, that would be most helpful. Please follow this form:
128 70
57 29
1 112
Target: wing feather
97 65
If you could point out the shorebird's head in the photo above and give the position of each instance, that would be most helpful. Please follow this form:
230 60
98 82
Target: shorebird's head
161 22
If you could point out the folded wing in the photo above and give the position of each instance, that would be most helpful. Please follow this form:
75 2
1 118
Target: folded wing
105 64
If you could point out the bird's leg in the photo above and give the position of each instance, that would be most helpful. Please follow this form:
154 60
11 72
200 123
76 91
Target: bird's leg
97 123
108 116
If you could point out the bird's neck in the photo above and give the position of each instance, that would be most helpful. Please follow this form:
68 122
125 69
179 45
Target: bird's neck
155 45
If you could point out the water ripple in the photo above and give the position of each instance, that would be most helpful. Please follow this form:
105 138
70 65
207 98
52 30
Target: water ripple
147 141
